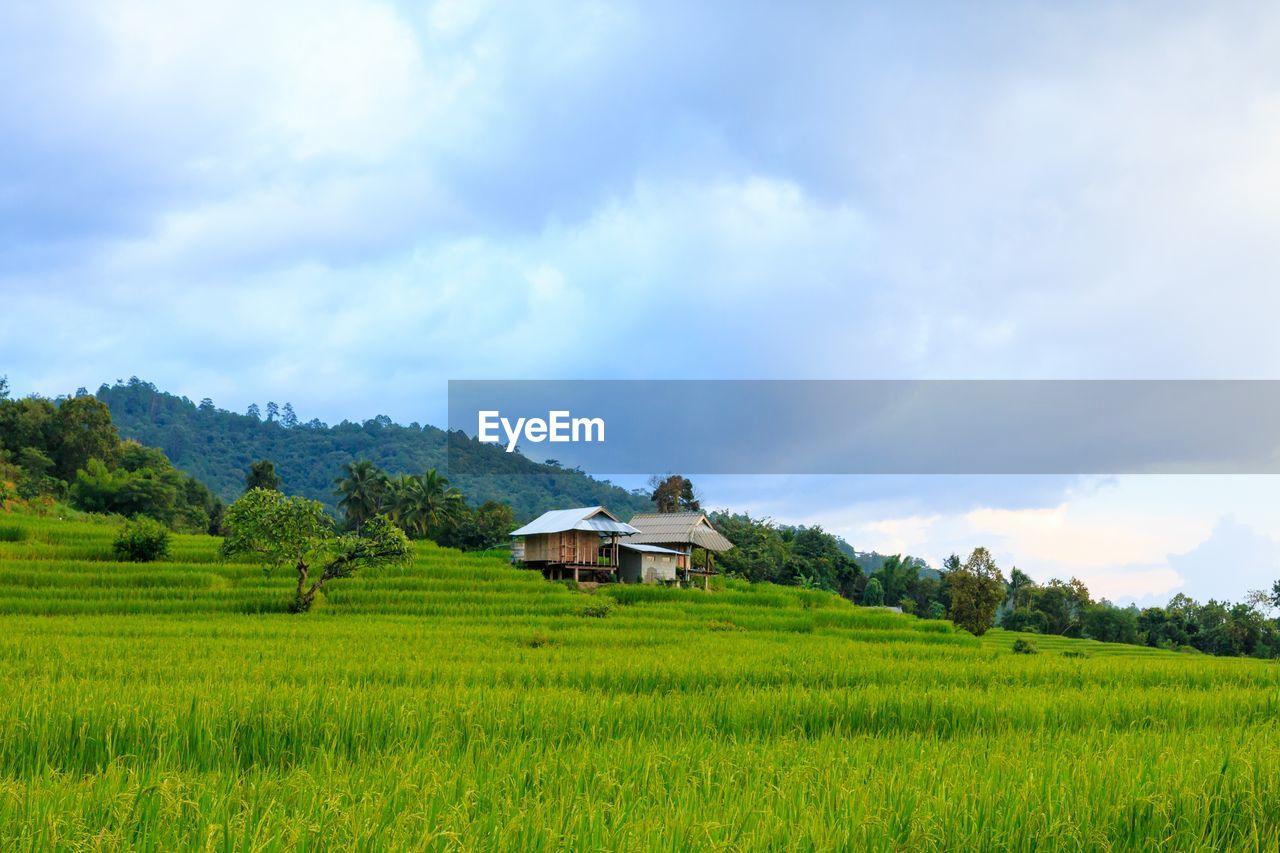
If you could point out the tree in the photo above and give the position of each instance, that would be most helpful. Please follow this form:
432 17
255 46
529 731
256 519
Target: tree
254 412
288 417
1020 585
293 531
977 588
873 594
4 387
83 431
273 412
421 504
361 491
206 406
673 494
262 475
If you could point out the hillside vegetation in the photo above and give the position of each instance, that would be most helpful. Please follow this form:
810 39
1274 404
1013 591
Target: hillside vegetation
217 447
463 704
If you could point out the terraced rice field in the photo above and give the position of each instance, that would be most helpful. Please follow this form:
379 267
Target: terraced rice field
462 704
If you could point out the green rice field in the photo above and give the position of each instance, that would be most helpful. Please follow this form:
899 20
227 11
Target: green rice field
463 704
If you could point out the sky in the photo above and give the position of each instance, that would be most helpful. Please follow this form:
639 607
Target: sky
344 205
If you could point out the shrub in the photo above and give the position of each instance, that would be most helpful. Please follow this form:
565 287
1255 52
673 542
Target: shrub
598 608
1074 653
141 541
536 641
1023 647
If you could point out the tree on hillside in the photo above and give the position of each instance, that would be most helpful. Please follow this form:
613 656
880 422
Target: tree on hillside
421 503
873 594
262 475
1020 584
83 431
361 491
273 412
673 494
977 588
293 531
288 417
254 412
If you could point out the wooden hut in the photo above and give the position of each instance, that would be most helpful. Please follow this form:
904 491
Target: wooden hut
681 531
571 542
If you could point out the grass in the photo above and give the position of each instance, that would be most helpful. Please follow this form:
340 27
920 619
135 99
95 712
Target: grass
462 704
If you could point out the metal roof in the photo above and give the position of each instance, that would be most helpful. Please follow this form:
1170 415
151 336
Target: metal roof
595 518
690 528
649 549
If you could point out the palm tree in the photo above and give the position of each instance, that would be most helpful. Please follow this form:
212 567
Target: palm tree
361 491
425 502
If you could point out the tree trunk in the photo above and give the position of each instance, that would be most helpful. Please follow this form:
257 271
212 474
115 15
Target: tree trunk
300 601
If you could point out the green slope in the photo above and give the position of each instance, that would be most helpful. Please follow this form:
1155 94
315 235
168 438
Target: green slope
217 447
464 704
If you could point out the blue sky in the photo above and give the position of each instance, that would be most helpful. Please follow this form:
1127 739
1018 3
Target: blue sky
344 204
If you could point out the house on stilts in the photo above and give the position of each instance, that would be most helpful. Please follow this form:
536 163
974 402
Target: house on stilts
681 532
592 544
581 543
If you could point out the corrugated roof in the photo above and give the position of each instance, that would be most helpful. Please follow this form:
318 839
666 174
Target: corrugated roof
580 518
649 549
664 528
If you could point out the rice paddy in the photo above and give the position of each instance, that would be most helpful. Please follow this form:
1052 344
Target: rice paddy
463 704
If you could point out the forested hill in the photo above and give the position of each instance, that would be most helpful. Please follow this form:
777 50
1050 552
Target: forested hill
216 447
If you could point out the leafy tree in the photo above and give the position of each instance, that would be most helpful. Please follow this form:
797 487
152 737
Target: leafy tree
1110 624
262 475
83 431
937 610
873 594
361 490
288 417
206 406
977 588
254 412
293 531
273 412
486 526
673 494
4 387
141 541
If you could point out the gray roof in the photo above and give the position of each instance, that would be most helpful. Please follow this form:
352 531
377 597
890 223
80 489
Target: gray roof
595 518
649 549
687 528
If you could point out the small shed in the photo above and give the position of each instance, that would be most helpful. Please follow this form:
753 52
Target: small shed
681 531
649 563
563 541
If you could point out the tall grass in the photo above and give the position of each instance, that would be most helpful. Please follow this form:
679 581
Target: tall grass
464 704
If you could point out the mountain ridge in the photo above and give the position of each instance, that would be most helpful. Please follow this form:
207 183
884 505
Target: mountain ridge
217 446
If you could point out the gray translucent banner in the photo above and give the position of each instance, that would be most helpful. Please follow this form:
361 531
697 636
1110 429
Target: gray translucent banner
870 427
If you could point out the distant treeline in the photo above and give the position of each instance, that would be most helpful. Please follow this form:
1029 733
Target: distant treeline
69 450
217 447
1184 624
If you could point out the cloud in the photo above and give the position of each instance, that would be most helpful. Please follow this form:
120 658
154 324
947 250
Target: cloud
346 204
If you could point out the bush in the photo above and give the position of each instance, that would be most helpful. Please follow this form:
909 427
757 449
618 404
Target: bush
536 641
598 608
1023 647
141 541
1074 653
